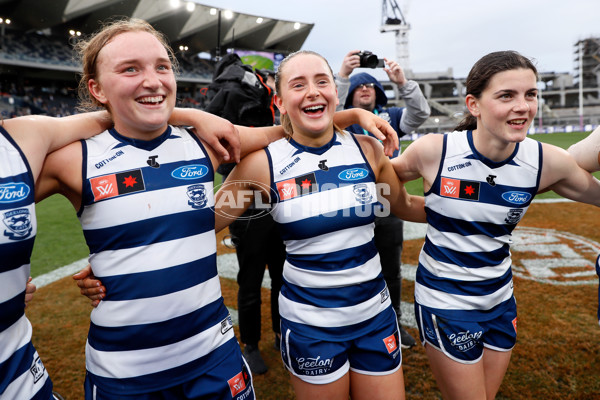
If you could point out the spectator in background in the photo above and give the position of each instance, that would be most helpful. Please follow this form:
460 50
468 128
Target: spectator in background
364 91
235 89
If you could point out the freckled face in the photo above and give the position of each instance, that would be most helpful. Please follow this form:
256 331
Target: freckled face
507 107
309 96
135 80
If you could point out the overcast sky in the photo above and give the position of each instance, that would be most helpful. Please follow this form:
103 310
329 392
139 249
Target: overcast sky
444 33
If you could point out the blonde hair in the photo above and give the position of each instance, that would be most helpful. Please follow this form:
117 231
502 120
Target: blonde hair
286 123
88 51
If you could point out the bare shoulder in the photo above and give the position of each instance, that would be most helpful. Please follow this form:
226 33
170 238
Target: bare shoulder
372 148
27 133
434 140
253 168
255 162
555 153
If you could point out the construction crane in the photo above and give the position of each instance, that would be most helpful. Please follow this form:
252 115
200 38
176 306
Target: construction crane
392 20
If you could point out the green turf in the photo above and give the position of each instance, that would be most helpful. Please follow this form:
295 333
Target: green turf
60 240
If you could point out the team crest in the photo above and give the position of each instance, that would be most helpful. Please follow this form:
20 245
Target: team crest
226 325
362 193
514 216
197 195
18 222
37 370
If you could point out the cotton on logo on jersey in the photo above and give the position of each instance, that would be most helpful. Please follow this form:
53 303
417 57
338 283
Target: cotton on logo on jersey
113 185
298 186
459 189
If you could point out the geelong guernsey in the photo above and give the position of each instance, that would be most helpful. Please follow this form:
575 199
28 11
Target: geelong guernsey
148 219
333 287
22 374
472 207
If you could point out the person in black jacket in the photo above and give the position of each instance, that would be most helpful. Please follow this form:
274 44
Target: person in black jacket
242 96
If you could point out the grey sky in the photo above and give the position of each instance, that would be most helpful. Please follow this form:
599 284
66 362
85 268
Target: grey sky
444 33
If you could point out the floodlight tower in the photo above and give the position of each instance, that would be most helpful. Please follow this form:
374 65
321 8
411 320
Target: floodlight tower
392 20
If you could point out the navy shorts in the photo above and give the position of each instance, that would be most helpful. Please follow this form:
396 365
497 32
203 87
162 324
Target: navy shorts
464 341
319 361
598 272
229 380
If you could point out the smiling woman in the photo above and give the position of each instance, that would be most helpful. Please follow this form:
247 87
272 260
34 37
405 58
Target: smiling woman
339 330
479 181
146 190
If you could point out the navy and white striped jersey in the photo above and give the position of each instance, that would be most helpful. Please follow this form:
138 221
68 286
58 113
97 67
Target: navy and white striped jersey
472 207
332 281
148 219
22 374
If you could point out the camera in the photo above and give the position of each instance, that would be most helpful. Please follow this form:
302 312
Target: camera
370 60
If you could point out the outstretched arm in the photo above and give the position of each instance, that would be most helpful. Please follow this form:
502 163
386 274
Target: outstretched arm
217 132
238 192
257 138
561 173
390 189
38 135
420 159
587 151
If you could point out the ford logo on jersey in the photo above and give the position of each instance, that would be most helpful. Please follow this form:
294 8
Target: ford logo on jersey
194 171
11 192
516 197
353 174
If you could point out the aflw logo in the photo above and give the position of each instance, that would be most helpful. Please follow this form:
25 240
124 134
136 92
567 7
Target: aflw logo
105 190
288 190
450 189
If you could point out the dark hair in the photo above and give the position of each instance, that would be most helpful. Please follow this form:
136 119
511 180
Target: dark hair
483 71
285 119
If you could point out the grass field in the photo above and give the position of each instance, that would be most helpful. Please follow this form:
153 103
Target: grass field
557 355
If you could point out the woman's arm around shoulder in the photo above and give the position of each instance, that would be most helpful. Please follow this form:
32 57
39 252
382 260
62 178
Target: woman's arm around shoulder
390 190
38 135
61 174
587 151
561 173
236 194
420 159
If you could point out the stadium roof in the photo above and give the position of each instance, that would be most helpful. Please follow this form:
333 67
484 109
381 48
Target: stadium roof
195 28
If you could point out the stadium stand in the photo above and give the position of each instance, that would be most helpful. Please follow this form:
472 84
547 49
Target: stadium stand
36 53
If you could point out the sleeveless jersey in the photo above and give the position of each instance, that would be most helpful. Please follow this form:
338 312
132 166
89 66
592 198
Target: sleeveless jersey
472 207
22 374
148 219
333 287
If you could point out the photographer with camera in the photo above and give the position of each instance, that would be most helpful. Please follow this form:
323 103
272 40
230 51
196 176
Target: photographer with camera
364 91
